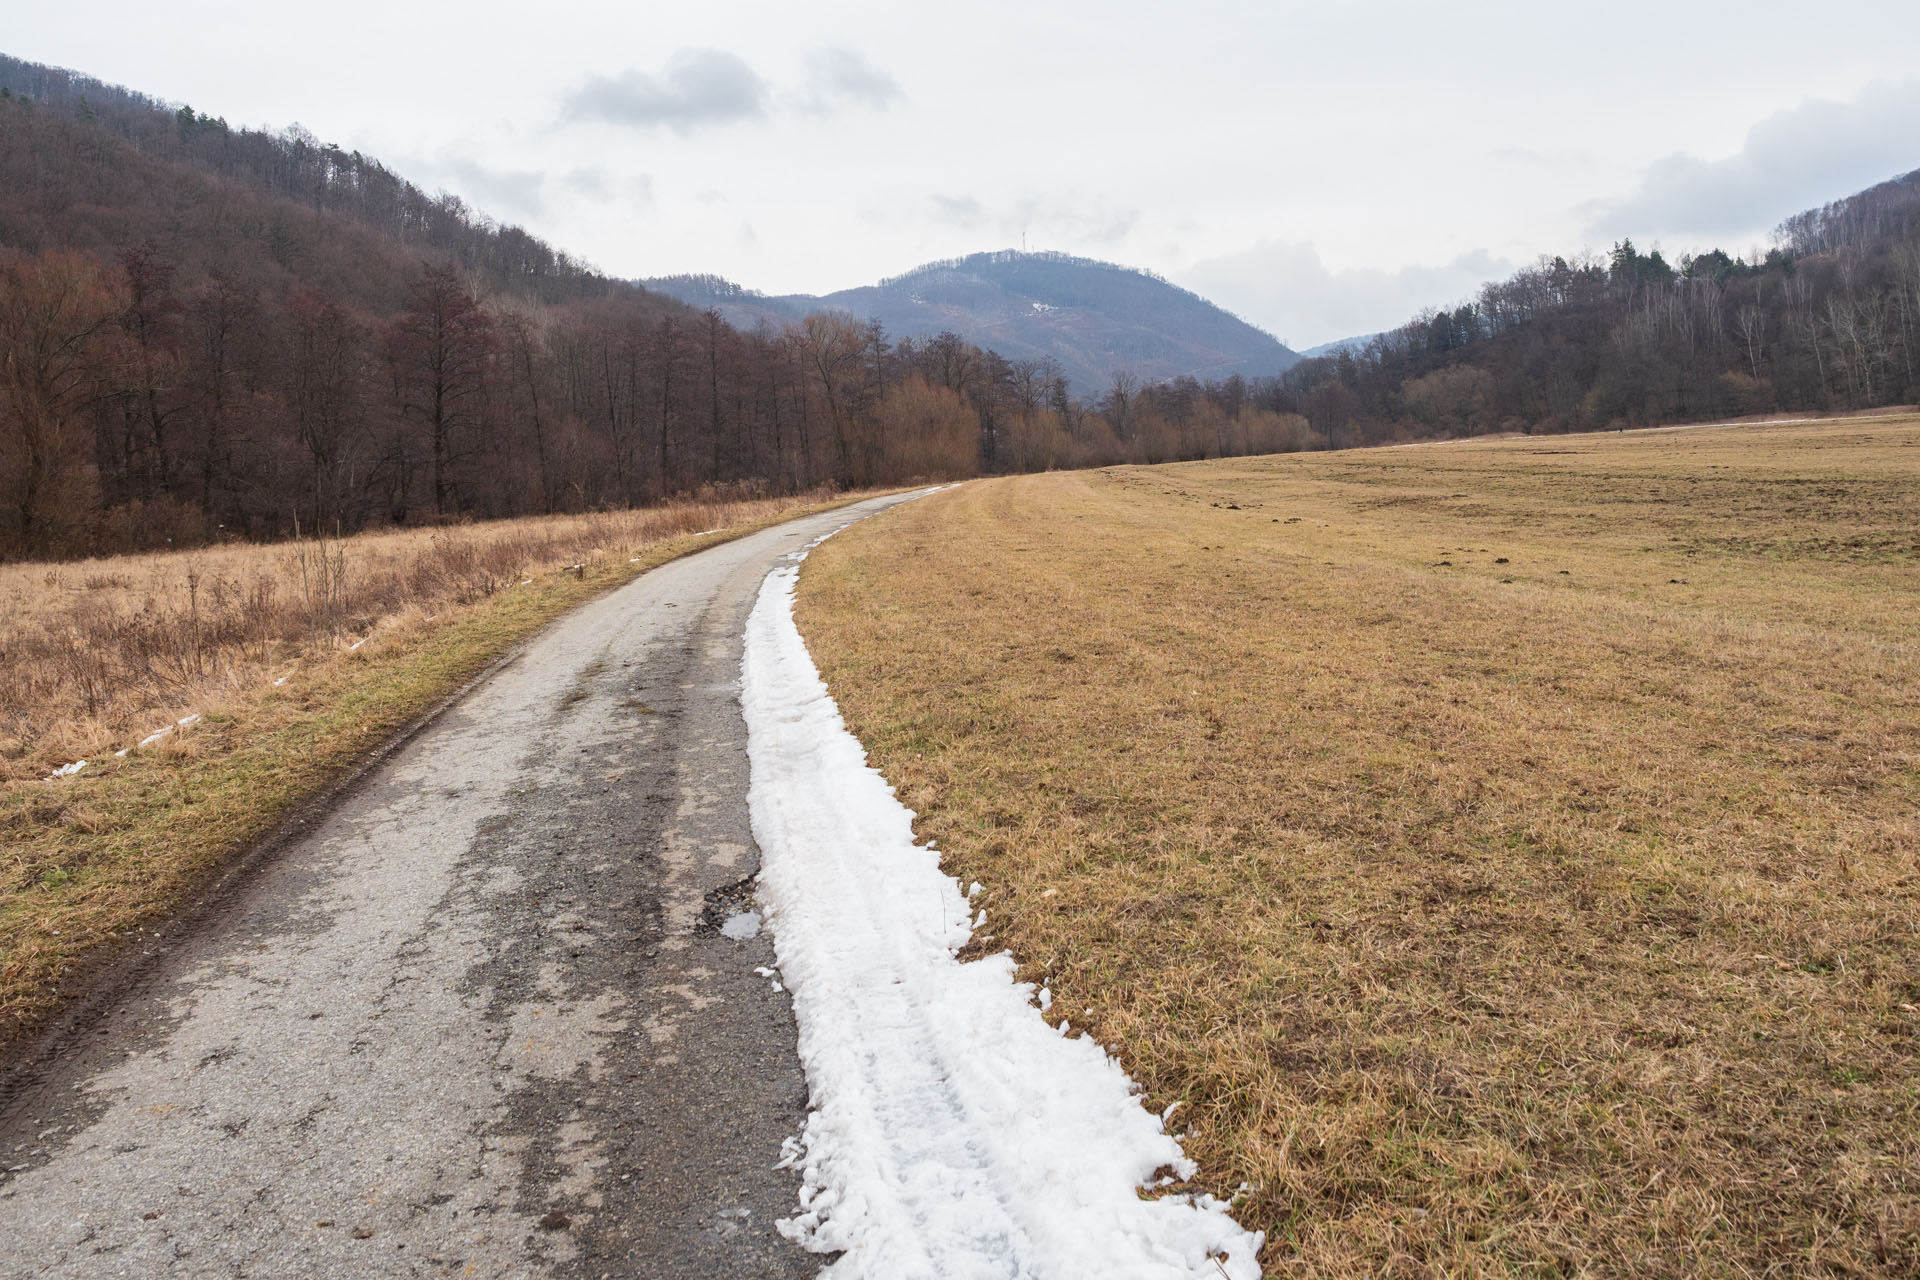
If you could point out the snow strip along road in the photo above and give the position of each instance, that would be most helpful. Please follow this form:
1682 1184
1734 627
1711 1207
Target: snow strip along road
504 1010
953 1133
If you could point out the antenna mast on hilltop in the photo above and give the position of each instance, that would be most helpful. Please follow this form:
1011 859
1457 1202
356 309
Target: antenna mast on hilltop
1023 241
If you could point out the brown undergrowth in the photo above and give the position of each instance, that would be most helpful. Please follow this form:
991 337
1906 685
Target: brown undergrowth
1506 851
297 660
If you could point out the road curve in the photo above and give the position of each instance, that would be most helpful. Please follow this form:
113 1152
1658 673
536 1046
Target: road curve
479 1022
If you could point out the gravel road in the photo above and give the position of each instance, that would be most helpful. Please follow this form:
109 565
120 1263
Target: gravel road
482 1020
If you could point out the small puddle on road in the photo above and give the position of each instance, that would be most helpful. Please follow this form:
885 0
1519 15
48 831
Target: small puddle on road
741 925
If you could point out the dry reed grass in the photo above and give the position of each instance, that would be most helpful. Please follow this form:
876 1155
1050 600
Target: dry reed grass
1508 851
298 659
97 654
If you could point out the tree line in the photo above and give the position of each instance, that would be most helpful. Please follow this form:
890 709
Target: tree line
139 408
1827 319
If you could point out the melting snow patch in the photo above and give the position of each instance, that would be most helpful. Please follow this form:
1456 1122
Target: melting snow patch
952 1132
67 770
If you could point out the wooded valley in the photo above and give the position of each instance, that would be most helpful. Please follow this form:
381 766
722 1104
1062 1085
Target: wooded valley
212 332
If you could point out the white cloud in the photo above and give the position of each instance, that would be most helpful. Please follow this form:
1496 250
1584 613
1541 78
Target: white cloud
1287 290
1794 159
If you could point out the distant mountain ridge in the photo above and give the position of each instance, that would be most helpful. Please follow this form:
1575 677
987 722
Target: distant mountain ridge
1353 345
1095 319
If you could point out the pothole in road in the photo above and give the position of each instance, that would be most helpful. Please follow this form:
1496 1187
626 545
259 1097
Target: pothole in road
730 912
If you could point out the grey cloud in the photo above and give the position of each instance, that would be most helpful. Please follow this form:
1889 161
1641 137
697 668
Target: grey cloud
1109 226
590 181
1792 160
696 87
595 183
1067 222
960 211
1528 160
1287 290
1045 222
841 77
497 192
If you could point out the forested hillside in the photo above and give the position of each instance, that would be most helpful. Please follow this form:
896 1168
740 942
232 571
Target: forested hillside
211 332
1829 319
70 186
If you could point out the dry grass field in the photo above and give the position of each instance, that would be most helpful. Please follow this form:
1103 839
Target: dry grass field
296 659
1507 851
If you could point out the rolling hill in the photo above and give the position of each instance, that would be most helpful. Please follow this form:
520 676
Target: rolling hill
1095 319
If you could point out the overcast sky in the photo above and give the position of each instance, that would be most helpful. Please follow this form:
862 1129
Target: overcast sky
1322 169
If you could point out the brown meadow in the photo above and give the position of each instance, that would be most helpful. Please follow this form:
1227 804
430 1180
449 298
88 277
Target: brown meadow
1506 851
